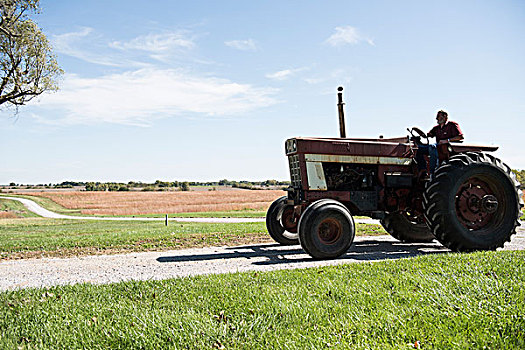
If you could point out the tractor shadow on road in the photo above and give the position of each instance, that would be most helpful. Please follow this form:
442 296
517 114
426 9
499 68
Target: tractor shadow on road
271 254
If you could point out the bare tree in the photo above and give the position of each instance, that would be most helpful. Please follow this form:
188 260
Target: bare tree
27 65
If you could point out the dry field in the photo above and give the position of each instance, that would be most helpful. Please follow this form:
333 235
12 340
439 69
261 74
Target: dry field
137 203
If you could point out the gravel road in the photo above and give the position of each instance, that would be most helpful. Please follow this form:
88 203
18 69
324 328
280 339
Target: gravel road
16 274
188 262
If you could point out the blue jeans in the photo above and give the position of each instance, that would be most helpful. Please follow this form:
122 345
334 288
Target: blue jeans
432 152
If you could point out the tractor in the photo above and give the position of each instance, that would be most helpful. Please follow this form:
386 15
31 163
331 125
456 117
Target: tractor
473 202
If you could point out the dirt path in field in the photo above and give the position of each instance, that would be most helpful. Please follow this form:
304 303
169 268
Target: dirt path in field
189 262
37 209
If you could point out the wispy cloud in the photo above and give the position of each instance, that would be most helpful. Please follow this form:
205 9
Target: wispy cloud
244 45
285 73
72 44
347 35
87 45
315 80
157 43
327 79
142 96
161 47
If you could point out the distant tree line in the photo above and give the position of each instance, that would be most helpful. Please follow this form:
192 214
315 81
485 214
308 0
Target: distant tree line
182 185
254 184
106 186
158 185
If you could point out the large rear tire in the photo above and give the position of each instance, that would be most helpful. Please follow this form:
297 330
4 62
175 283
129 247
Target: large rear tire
473 203
280 222
326 229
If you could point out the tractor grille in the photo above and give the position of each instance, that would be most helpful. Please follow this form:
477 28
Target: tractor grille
295 171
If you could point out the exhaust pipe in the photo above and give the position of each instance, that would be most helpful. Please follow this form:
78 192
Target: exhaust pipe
340 105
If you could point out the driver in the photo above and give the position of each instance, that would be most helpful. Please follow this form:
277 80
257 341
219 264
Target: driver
445 132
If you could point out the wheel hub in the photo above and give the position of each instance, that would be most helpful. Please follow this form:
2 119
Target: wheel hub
476 203
489 204
329 231
288 220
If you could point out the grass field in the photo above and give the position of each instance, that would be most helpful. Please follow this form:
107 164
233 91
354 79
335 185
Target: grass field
38 237
446 301
138 203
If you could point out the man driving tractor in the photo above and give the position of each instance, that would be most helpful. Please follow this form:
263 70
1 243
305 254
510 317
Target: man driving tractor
445 132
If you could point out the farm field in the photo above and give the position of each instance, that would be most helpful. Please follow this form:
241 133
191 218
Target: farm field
443 301
141 203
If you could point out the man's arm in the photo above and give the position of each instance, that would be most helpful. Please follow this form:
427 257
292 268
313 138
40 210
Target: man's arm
452 139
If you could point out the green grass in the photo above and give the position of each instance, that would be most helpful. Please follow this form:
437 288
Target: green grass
62 237
23 238
446 301
16 208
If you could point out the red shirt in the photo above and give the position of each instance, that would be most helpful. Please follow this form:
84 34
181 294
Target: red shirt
449 130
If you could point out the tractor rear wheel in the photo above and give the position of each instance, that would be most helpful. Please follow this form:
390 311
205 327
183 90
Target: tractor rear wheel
281 223
405 230
326 229
473 203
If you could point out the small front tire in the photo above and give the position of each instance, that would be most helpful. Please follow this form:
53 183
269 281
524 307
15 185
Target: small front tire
326 229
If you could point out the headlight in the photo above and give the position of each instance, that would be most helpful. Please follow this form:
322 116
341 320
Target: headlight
290 146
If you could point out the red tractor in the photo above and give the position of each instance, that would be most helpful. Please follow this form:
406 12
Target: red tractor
472 203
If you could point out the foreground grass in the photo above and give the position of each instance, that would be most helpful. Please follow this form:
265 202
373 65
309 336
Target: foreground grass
39 237
449 301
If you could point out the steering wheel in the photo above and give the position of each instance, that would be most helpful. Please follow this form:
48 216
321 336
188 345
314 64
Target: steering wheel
421 135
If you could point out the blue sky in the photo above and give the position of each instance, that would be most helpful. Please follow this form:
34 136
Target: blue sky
206 90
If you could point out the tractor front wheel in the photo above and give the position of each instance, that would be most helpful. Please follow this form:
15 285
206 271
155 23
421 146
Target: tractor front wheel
281 223
326 229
